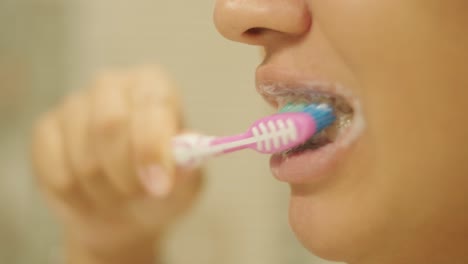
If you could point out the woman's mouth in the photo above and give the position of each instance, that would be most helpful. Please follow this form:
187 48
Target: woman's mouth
313 160
343 113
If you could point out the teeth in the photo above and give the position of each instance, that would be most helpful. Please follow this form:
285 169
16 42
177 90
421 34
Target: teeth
315 142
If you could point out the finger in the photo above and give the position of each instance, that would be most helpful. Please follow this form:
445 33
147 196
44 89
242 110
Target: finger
187 186
80 156
49 162
155 120
110 132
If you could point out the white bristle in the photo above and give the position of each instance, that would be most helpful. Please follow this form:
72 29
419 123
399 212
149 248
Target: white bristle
282 127
266 142
273 129
291 129
256 134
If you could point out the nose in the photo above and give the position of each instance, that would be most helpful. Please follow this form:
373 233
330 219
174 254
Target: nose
255 21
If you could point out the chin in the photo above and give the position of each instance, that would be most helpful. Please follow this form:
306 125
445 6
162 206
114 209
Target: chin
316 228
340 228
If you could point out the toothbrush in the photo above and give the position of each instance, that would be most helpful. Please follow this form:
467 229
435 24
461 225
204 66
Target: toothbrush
291 127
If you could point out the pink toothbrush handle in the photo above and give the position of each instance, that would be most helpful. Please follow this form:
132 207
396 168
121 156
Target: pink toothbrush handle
271 134
268 135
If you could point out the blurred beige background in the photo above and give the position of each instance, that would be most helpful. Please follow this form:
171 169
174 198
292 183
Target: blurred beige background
49 47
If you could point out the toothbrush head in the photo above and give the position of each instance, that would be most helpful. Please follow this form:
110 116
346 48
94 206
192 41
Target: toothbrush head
322 113
293 126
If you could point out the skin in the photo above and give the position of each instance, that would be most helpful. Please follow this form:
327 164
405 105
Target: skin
399 197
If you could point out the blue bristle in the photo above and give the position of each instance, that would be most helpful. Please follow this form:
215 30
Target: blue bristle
322 113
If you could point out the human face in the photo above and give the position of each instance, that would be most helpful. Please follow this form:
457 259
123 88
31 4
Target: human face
392 187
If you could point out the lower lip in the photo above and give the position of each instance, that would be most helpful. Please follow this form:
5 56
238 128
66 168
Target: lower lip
313 165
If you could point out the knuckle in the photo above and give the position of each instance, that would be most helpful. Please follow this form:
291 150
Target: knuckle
146 150
146 154
65 187
153 85
85 173
62 184
129 189
89 173
110 125
85 168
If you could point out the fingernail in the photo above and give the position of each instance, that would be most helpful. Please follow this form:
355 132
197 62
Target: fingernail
155 180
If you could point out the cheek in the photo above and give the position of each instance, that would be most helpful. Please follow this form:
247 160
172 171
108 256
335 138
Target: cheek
409 63
352 28
408 172
372 37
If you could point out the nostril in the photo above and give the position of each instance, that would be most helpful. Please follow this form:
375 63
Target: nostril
252 22
255 35
256 31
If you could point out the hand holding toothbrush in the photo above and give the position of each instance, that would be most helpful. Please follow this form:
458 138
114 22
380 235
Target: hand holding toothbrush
103 158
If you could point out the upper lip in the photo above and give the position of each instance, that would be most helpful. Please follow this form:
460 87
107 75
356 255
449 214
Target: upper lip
279 86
